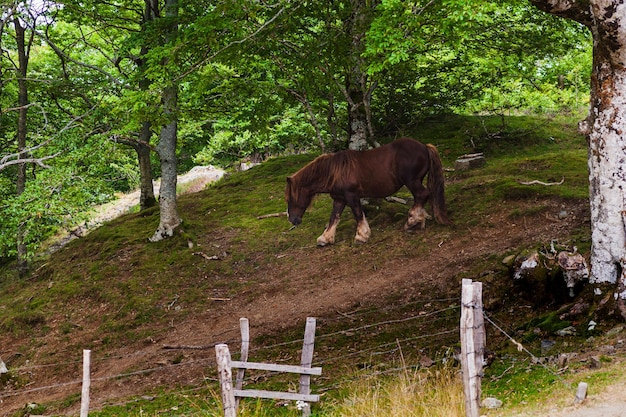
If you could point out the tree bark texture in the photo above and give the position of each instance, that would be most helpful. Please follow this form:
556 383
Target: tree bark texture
146 196
605 128
166 148
356 78
22 69
169 219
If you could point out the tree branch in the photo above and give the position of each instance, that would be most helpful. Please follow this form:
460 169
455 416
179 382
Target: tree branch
542 183
235 42
63 55
16 158
133 143
577 10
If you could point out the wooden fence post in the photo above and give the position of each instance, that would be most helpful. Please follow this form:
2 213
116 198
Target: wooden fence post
225 373
472 344
306 362
244 325
84 397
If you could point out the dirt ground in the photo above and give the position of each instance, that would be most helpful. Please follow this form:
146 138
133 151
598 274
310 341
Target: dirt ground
276 303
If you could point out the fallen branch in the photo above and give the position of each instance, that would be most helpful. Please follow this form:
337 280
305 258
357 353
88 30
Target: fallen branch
203 347
393 199
267 216
542 183
207 257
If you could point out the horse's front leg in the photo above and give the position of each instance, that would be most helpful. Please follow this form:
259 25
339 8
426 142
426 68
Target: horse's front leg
328 237
363 230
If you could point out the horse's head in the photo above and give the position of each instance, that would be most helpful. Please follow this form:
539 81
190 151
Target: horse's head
298 200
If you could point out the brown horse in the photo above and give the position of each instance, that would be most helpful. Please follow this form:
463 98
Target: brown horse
350 175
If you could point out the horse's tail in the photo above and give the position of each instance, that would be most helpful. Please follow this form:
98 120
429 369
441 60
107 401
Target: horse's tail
436 186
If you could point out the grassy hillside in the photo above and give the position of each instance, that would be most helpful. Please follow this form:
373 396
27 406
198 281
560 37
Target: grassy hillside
115 293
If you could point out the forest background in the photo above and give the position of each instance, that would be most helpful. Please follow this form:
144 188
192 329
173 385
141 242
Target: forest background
98 98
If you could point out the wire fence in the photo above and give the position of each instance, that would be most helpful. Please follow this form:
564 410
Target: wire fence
358 341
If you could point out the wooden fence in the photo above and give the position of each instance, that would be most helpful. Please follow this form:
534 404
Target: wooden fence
472 334
231 395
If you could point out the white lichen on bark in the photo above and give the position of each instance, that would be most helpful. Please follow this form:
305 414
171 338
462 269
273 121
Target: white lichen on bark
607 143
605 128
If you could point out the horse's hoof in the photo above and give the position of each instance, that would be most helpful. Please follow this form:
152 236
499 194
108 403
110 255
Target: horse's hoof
412 228
322 242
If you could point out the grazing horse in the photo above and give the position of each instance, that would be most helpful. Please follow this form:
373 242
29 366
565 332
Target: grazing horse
350 175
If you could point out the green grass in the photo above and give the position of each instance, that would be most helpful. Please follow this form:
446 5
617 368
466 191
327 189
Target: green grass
533 388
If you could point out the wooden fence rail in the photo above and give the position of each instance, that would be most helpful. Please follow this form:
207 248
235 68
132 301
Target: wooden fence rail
231 394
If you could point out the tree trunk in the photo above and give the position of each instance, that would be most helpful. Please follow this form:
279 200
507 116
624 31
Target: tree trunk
146 195
356 78
169 218
166 148
357 118
20 37
607 167
605 126
146 187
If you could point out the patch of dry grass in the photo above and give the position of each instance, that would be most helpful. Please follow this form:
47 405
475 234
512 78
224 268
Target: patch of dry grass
433 393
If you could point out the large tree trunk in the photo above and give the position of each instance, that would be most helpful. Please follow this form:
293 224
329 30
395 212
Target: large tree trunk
607 166
169 218
166 148
605 128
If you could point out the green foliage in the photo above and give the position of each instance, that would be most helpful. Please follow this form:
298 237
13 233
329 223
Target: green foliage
480 56
231 143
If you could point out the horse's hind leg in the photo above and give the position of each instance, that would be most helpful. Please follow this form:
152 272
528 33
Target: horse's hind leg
328 237
363 230
417 214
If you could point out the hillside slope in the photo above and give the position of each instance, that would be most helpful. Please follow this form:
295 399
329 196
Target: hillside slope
152 312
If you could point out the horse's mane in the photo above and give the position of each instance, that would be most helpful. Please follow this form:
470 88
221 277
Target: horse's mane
326 171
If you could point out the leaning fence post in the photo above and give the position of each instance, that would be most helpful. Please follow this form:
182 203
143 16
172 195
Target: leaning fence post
84 397
306 361
472 344
245 347
225 373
